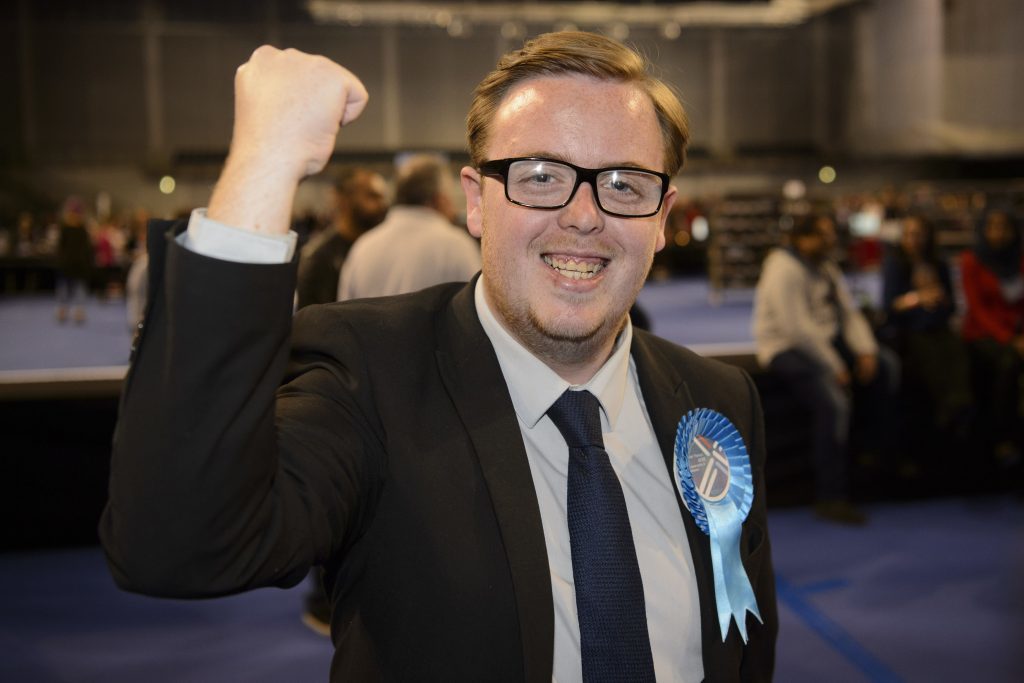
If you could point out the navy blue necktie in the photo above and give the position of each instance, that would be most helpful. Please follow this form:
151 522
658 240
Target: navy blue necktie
609 593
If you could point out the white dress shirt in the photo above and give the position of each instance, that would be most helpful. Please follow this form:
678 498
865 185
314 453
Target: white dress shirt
666 568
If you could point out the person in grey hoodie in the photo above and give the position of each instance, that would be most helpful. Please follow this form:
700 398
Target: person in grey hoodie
809 331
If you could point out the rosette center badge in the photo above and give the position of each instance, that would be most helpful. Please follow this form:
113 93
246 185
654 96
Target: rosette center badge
709 466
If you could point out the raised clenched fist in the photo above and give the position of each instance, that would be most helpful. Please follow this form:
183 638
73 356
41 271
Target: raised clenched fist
289 106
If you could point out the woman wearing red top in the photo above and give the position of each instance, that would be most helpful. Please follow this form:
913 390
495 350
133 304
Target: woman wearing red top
993 283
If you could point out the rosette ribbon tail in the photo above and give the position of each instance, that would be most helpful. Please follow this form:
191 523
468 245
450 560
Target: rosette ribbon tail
733 592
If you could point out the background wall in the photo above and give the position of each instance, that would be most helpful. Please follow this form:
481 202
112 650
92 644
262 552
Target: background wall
144 87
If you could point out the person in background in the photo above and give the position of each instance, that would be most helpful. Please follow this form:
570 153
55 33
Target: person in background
917 296
74 262
137 277
25 241
992 276
110 243
808 330
136 285
359 203
417 245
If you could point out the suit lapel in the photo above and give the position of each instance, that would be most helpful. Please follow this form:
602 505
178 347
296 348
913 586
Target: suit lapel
472 376
668 398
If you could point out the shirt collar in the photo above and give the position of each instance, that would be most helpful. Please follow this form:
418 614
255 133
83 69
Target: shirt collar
534 387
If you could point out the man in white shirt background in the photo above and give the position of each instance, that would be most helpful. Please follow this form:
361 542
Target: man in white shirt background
416 245
809 330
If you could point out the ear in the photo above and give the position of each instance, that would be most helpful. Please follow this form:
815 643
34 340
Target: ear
471 186
666 209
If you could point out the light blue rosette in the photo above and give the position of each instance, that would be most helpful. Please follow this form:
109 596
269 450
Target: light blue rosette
712 472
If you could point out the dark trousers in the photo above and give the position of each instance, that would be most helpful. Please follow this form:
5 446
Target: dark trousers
831 406
937 372
998 372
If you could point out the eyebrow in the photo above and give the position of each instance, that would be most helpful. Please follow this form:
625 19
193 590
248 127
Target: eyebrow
553 156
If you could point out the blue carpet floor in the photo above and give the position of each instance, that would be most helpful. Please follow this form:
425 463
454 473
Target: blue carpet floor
32 339
680 310
927 592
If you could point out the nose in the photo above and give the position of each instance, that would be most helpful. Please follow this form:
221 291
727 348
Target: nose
582 212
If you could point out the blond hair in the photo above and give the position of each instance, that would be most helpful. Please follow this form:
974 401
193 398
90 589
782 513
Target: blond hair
588 54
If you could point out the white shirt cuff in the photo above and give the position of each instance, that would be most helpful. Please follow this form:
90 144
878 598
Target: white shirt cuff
210 238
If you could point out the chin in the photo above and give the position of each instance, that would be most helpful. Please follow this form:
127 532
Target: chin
568 327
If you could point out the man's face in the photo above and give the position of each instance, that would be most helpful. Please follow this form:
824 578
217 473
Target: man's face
998 232
529 254
827 229
914 237
367 201
816 246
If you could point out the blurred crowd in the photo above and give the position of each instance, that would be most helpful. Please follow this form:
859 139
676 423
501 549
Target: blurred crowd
946 328
933 370
75 250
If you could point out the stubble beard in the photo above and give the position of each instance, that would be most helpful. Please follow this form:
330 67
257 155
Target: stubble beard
560 347
555 342
559 343
367 221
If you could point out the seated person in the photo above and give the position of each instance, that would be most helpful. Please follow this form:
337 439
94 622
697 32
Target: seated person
917 294
993 283
809 331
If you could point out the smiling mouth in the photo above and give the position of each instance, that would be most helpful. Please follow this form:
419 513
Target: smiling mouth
574 268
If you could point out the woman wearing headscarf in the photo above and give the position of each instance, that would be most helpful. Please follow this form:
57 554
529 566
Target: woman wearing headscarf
993 284
918 298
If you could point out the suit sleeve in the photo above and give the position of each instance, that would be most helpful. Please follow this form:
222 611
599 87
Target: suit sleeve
220 481
759 654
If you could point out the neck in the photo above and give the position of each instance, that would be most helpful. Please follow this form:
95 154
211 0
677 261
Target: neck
346 228
573 361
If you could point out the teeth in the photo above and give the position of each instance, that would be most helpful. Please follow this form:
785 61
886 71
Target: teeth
576 270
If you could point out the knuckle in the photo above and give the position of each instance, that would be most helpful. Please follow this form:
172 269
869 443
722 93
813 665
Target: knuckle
263 51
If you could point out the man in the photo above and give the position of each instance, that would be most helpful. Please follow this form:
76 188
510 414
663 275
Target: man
416 246
359 204
416 447
810 332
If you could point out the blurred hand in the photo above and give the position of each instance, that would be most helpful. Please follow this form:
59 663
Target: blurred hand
907 301
843 378
931 297
867 367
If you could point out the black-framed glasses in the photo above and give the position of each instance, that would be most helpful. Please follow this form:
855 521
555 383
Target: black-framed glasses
539 183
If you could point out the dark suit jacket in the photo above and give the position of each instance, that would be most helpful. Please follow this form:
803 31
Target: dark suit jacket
320 268
390 454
